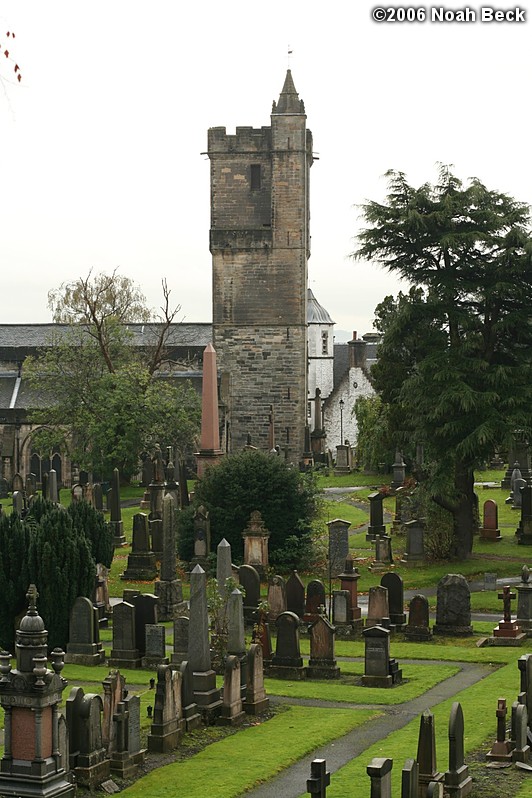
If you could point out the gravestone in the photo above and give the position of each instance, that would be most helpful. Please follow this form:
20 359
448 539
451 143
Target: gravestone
172 488
322 664
338 545
156 535
453 607
383 553
517 493
180 652
231 713
524 530
399 471
157 485
341 608
115 522
191 714
97 497
490 521
114 690
202 537
379 771
168 588
378 607
76 493
314 601
376 516
417 629
256 538
458 783
524 602
224 567
287 662
426 753
168 724
261 635
507 632
18 503
521 751
397 524
4 488
127 756
276 597
415 543
377 657
256 700
320 778
206 694
295 594
87 754
141 564
155 646
410 779
236 641
31 485
125 652
501 750
348 581
250 581
394 584
146 611
84 646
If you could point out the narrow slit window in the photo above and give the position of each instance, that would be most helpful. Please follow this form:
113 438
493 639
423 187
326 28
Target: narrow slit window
255 176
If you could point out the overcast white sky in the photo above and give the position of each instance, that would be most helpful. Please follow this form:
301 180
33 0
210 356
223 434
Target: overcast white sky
101 142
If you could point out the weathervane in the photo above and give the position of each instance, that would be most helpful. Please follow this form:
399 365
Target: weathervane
290 51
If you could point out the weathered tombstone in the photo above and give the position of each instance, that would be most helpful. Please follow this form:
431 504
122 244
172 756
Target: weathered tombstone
394 584
507 632
380 772
146 612
287 662
168 723
426 753
191 715
127 755
76 493
31 485
250 581
341 608
458 782
453 607
524 602
125 652
236 641
231 713
376 657
84 646
224 567
256 538
501 750
418 628
314 601
97 496
338 545
521 752
180 652
415 544
399 471
320 778
141 564
17 483
18 503
378 607
276 597
517 493
295 594
322 664
202 537
172 488
87 754
383 553
114 687
168 588
256 700
410 779
206 694
348 581
155 646
490 521
490 581
156 535
376 516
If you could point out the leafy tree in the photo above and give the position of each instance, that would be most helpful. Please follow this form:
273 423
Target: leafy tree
255 480
374 440
456 358
111 405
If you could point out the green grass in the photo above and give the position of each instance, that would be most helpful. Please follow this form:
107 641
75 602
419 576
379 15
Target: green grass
355 479
258 753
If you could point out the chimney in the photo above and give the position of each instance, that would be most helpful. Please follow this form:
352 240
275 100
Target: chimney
357 352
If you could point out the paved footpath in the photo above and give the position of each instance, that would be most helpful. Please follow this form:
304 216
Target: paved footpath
291 783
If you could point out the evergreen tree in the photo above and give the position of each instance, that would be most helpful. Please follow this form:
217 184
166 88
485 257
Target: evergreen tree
456 356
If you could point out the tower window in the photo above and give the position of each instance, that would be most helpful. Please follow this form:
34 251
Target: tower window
325 343
255 176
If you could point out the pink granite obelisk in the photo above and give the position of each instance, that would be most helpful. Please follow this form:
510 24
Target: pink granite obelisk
210 452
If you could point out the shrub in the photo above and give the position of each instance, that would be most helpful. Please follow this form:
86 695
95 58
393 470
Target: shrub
253 480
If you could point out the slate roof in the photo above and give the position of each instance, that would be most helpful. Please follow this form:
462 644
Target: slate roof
31 336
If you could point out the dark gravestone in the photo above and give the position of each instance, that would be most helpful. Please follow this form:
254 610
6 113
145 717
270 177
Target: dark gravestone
320 778
524 530
410 779
394 584
501 750
322 664
379 771
315 600
18 483
206 694
202 537
295 594
418 629
426 753
524 602
376 517
88 756
168 588
97 497
125 652
127 755
141 565
155 646
349 581
156 535
415 541
180 652
490 521
458 782
145 613
453 607
250 582
191 714
376 657
383 553
4 488
84 647
338 544
287 662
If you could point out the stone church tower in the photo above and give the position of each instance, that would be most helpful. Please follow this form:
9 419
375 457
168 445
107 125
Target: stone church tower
260 244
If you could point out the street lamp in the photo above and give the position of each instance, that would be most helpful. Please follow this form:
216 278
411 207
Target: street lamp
341 421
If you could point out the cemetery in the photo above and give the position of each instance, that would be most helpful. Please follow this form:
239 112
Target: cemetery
370 669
